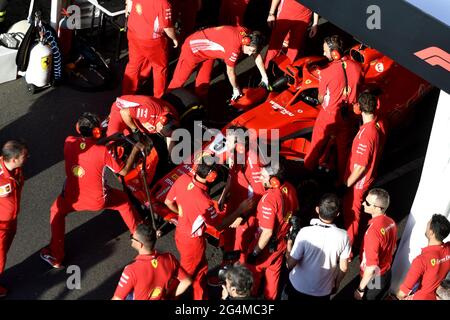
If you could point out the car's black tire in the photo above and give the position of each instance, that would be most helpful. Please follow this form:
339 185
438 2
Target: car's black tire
188 105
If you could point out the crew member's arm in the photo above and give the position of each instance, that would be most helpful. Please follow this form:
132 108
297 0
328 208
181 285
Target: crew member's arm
244 207
314 26
260 64
413 276
263 240
170 32
355 175
272 13
131 158
343 264
371 252
231 73
126 117
171 198
126 284
182 286
343 267
369 272
172 205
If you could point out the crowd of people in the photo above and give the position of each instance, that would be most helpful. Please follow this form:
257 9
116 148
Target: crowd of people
258 212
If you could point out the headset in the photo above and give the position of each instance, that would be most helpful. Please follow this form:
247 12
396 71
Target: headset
334 52
246 40
164 119
274 182
212 174
239 145
255 39
96 131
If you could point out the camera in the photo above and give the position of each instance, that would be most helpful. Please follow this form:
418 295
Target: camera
222 275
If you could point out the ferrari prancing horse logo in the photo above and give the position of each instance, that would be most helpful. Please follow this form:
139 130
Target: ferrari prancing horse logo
78 171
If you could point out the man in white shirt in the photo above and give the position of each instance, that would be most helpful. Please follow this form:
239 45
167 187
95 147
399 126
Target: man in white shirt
319 257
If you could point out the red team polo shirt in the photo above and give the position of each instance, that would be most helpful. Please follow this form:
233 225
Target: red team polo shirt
148 18
195 206
223 42
149 277
246 180
379 244
85 164
292 10
366 152
429 268
11 184
145 110
275 209
332 84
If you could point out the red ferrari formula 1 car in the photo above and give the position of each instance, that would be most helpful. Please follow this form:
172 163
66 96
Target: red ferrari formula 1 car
292 109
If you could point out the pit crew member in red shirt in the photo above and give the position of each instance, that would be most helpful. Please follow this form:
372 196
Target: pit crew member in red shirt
378 248
14 155
84 188
430 267
362 164
226 43
152 275
189 198
244 182
149 25
274 211
142 113
291 18
332 119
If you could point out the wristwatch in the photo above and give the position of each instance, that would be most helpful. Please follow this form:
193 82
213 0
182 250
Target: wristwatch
360 290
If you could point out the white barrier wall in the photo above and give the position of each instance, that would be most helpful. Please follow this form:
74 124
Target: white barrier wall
55 13
433 194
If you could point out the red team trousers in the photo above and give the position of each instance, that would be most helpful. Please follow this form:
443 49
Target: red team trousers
193 261
324 127
352 205
115 200
146 56
187 63
296 30
7 233
268 269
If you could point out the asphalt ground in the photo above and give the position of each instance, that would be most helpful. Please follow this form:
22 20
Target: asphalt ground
99 242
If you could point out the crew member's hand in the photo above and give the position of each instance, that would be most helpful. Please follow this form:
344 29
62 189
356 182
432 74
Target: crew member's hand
265 84
236 94
225 293
358 295
236 223
271 19
175 43
313 31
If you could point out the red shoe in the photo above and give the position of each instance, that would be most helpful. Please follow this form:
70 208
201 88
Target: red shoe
47 257
3 292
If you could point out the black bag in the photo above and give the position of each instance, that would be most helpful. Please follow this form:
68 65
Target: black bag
23 55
